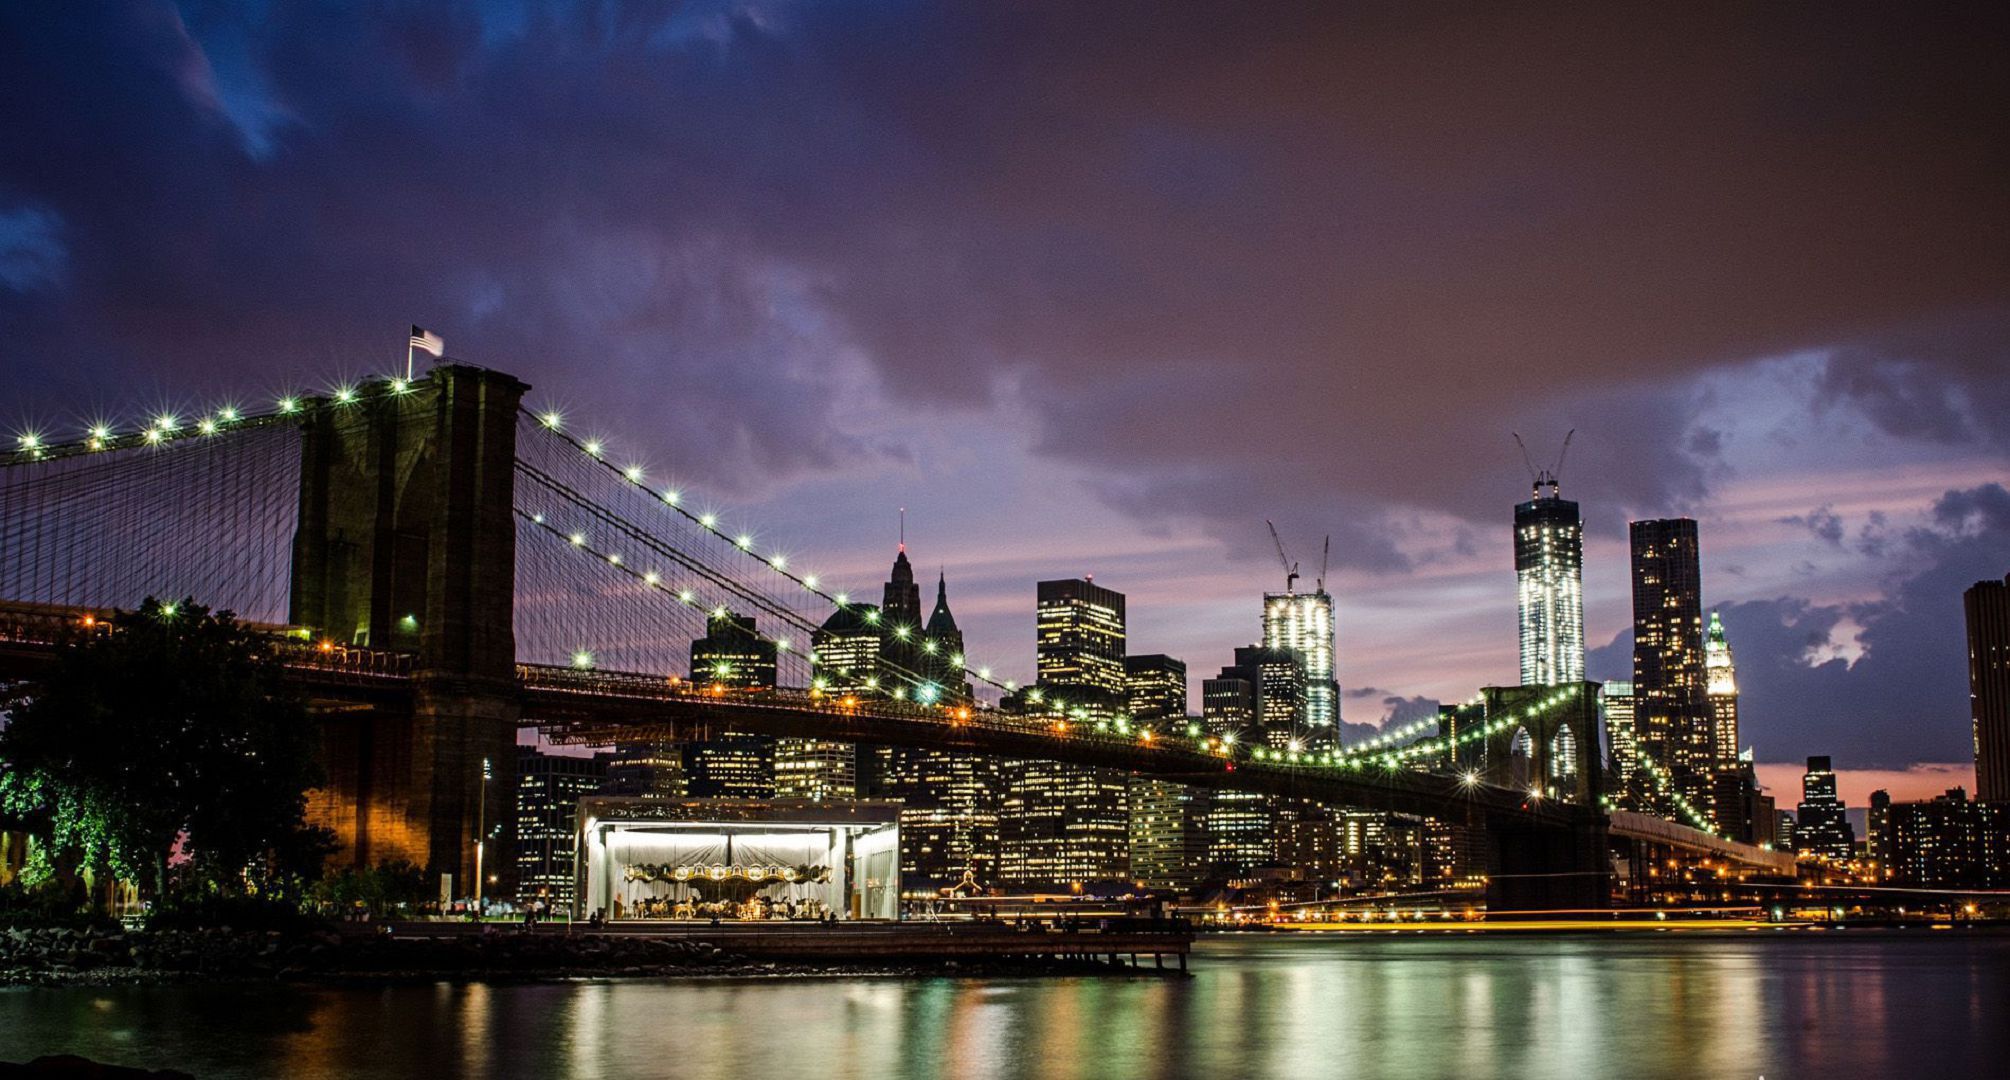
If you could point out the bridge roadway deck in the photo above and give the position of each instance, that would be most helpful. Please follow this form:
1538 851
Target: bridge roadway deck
595 707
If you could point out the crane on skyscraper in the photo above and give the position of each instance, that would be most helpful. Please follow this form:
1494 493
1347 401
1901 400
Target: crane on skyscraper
1290 568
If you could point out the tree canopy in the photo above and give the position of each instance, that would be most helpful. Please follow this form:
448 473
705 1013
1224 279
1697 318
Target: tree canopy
164 748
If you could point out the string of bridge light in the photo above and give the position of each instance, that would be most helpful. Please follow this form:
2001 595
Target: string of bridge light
1667 787
168 427
636 477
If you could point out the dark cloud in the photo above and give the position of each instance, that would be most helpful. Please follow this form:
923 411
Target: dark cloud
1315 257
1822 521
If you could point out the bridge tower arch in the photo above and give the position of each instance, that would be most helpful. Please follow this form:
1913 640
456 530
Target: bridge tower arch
406 540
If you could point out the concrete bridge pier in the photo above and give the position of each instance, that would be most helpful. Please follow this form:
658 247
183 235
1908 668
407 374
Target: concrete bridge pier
1533 867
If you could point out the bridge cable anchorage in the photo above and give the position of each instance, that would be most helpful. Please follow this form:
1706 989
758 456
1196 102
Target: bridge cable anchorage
672 499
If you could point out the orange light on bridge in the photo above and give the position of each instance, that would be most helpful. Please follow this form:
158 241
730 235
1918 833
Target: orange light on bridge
1146 737
1061 727
963 713
327 646
718 688
90 620
850 702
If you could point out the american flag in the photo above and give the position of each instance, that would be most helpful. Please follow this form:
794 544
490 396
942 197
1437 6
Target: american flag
428 342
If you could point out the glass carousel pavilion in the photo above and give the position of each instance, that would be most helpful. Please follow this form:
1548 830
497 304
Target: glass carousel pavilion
737 859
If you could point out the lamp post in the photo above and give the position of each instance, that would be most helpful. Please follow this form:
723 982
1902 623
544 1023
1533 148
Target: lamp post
481 836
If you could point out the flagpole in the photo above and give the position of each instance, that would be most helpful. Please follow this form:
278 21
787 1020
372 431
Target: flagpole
408 359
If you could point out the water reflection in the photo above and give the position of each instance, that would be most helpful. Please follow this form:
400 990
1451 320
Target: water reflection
1737 1005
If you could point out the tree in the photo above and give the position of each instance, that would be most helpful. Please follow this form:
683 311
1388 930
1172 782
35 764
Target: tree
163 748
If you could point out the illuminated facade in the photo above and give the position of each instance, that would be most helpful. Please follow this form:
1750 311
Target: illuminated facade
1063 824
733 765
949 805
1615 705
1821 827
1720 683
1670 706
548 790
1239 823
815 769
1303 623
1948 843
1987 606
847 650
1168 821
1549 576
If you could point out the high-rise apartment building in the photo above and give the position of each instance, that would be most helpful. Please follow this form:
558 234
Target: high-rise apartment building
1615 704
1950 843
1549 579
548 790
1988 609
847 650
1670 706
1155 689
1239 824
1821 825
1302 623
1064 824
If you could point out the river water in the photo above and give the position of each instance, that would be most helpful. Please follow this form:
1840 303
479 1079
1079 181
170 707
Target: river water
1835 1006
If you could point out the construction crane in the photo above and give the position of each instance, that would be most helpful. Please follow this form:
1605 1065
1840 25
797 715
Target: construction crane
1325 556
1290 568
1551 476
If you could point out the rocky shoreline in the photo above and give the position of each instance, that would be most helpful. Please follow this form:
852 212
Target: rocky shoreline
110 957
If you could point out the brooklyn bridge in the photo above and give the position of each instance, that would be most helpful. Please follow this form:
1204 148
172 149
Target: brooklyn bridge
438 567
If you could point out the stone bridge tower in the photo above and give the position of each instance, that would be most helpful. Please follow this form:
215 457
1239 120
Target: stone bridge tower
406 541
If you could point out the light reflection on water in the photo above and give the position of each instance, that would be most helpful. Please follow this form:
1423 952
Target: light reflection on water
1741 1005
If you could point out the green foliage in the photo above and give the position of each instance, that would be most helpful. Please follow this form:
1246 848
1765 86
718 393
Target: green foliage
381 890
48 903
186 911
166 750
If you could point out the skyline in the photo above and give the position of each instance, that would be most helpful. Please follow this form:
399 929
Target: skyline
1055 342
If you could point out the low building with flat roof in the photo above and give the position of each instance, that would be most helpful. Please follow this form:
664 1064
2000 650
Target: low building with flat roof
738 859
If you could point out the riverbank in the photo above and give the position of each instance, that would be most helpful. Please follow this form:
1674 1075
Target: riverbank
430 952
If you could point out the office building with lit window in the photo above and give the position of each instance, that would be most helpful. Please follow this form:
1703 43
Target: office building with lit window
1615 707
1821 825
1302 623
1987 606
1066 824
1948 842
548 790
847 648
1549 579
1168 821
1670 706
732 765
1239 824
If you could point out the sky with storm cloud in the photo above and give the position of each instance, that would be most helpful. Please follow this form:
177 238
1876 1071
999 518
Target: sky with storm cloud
1099 288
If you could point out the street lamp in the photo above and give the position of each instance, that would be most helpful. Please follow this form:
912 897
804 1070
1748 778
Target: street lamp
481 835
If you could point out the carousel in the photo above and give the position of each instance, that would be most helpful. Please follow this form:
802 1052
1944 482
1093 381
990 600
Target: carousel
738 859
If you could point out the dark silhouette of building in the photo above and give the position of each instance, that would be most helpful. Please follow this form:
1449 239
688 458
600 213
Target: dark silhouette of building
1821 827
1670 707
1988 609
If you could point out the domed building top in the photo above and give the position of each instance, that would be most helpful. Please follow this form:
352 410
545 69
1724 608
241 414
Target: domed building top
850 619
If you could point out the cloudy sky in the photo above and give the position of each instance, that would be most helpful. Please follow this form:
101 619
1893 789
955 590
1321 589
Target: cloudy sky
1099 288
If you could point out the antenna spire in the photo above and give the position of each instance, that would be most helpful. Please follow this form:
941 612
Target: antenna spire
903 528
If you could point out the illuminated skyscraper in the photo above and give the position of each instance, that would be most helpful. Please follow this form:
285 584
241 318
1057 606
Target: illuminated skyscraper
1062 824
847 650
1821 827
1168 821
548 790
1303 623
1671 710
1721 688
1549 576
733 764
1615 703
1239 823
1988 608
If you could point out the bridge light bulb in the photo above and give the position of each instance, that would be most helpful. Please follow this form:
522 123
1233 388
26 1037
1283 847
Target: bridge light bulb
984 673
686 596
227 414
399 385
168 609
633 473
582 660
207 427
153 435
613 559
100 432
781 644
651 578
710 521
671 497
744 541
344 395
578 539
288 405
593 447
31 441
777 561
843 599
551 420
